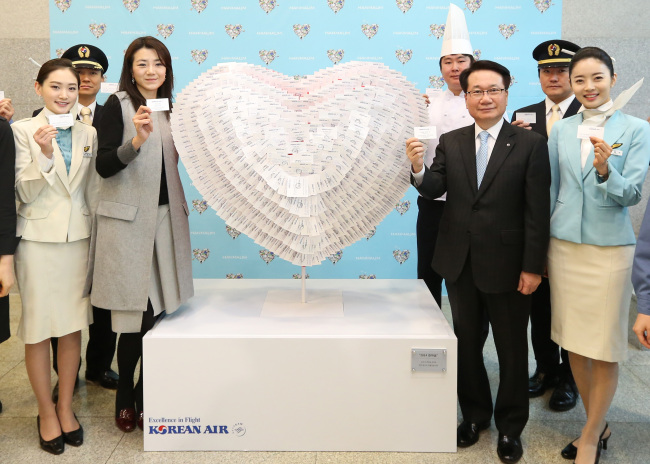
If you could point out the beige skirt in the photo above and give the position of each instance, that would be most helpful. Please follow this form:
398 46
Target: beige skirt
51 279
590 298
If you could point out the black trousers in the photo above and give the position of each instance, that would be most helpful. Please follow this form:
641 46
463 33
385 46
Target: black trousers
547 352
508 315
4 319
429 215
101 343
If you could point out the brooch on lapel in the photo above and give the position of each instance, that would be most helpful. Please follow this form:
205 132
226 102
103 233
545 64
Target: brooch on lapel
87 152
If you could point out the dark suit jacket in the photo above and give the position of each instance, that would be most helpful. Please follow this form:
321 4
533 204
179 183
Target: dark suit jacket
540 110
504 225
99 112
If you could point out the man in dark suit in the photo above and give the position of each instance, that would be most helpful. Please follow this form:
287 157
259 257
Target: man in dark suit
491 248
553 57
92 64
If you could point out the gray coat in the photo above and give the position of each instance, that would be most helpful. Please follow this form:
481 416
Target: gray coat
125 223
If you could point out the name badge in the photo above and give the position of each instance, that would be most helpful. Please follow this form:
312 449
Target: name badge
617 153
425 133
530 118
62 121
87 152
158 104
584 132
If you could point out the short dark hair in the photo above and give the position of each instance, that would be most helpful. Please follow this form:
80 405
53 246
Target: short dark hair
126 84
471 59
485 65
592 52
54 65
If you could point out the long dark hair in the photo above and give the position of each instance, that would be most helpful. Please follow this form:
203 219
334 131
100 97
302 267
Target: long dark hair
54 65
592 52
127 85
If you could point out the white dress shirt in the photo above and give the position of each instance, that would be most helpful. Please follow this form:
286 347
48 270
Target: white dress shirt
564 106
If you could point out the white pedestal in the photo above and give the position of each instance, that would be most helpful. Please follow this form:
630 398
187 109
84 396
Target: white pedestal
220 375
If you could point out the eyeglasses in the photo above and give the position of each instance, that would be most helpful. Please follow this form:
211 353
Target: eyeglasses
477 94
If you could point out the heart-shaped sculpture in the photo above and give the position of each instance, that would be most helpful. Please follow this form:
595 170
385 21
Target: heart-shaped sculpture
201 254
437 82
473 5
437 30
165 30
199 5
369 30
234 276
404 5
60 52
401 256
233 30
299 276
267 256
542 5
131 5
97 29
303 167
403 55
336 5
62 4
477 54
301 30
199 55
513 81
234 233
402 207
507 30
371 234
336 257
199 206
335 55
267 56
367 276
267 6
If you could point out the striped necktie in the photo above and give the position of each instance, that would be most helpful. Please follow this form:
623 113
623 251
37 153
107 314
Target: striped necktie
481 157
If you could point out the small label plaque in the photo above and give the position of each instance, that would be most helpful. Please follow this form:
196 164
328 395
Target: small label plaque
428 360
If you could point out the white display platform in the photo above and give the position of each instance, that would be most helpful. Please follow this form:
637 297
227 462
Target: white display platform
220 376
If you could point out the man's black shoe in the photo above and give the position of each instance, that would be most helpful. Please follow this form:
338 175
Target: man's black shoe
467 433
539 382
565 396
107 379
509 449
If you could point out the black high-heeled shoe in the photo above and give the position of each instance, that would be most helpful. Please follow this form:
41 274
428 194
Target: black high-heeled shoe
54 446
76 437
570 451
599 447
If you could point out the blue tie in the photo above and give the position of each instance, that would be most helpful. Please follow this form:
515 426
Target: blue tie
481 157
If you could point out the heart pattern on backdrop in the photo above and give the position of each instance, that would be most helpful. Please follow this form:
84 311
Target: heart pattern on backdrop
131 5
60 52
507 30
288 162
369 30
267 56
404 55
401 256
234 233
367 276
335 55
404 5
437 30
301 30
473 5
336 5
437 82
201 254
371 234
233 30
234 276
62 4
199 206
199 5
97 29
267 6
335 257
267 256
402 207
165 30
477 54
542 5
299 276
199 55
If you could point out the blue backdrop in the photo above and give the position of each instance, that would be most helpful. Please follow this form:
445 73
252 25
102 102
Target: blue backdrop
298 37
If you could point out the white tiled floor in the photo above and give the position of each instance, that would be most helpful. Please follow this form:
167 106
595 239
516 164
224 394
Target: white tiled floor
546 433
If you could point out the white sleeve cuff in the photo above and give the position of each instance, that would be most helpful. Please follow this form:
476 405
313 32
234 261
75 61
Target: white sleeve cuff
45 162
417 178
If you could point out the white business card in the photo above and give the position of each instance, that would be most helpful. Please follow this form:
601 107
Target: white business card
584 132
2 95
425 133
61 120
109 87
158 104
530 118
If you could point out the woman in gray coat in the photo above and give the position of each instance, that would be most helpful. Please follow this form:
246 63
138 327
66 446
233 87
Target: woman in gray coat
141 264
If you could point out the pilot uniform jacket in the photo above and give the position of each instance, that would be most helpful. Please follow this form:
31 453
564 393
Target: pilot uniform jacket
584 210
122 245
